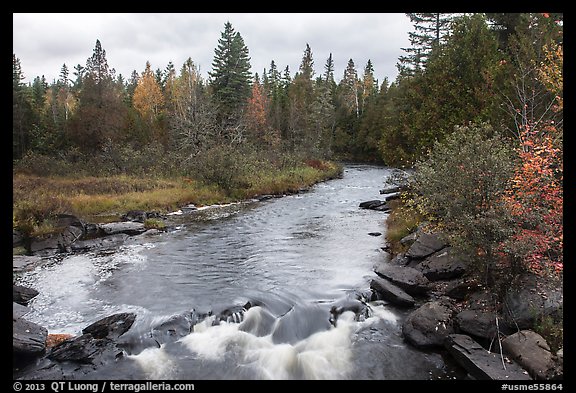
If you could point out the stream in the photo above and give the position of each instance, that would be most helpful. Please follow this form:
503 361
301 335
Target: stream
293 258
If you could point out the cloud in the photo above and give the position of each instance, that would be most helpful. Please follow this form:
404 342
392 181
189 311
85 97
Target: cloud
44 42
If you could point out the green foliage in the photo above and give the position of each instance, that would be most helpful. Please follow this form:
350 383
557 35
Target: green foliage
462 184
230 76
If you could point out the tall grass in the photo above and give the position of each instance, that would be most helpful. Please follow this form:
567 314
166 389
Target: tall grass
38 199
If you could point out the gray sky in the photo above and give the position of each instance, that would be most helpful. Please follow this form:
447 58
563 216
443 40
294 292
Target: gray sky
44 42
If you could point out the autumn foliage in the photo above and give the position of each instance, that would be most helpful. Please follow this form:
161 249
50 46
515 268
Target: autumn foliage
536 200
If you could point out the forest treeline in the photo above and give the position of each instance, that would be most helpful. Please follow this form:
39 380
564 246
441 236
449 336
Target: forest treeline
459 69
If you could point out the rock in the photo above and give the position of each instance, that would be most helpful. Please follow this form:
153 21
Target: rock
426 244
17 238
531 351
360 309
460 290
111 327
392 196
391 190
477 323
408 240
400 260
529 299
135 216
410 280
23 295
68 229
264 197
18 310
375 234
82 349
28 338
103 243
375 205
21 263
391 293
442 265
97 343
91 231
428 326
480 363
175 327
127 227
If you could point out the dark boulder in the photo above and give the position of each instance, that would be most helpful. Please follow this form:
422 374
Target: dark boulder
23 295
410 280
400 260
111 327
85 349
426 244
480 363
531 351
96 345
462 289
477 323
386 290
428 326
409 239
28 338
442 265
68 229
529 299
375 205
18 310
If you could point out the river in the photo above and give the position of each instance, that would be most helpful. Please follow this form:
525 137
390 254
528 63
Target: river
292 258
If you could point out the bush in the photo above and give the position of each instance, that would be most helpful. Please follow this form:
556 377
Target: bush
462 184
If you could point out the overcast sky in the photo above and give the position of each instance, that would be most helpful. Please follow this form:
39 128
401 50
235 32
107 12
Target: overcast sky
44 42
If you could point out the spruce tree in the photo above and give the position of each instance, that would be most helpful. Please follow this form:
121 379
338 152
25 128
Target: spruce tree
429 32
230 76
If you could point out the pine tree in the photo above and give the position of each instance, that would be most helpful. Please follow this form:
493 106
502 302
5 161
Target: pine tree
230 76
369 85
349 86
429 32
97 66
101 114
329 70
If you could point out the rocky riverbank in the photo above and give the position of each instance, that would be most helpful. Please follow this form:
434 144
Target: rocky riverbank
452 311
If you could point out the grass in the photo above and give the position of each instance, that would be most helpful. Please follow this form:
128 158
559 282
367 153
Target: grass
38 199
401 221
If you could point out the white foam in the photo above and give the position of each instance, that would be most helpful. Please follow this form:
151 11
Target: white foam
156 363
323 355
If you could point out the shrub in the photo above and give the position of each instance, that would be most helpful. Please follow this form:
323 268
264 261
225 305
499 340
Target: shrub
462 184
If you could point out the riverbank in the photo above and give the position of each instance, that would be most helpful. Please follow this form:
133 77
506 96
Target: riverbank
38 201
510 329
